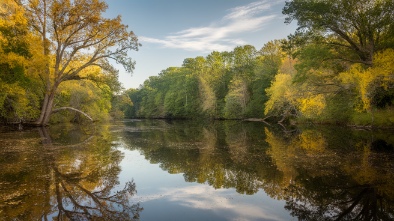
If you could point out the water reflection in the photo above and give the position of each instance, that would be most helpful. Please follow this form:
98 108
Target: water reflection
66 173
71 173
321 173
328 181
210 154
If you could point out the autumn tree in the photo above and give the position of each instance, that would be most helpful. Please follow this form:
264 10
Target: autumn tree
75 36
338 45
18 99
267 64
282 97
373 86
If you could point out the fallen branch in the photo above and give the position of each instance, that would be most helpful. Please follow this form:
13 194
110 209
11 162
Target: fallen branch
257 120
74 109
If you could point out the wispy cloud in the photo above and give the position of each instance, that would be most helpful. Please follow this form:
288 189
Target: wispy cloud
223 34
221 201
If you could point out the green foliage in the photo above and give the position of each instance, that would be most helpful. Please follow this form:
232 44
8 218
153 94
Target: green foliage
258 97
17 104
84 96
121 103
378 117
343 53
337 67
220 85
361 27
339 109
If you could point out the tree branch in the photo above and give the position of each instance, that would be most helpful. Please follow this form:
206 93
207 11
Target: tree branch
74 109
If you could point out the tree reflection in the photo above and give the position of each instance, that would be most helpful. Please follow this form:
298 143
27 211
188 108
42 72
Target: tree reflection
77 180
321 174
76 202
332 184
330 174
341 202
223 155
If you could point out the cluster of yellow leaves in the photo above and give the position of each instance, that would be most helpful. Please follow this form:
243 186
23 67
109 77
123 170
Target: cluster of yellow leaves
13 20
280 93
312 105
283 93
11 10
312 141
366 80
282 153
11 17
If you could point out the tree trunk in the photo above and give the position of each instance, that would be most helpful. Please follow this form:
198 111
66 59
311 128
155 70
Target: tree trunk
43 108
49 94
46 109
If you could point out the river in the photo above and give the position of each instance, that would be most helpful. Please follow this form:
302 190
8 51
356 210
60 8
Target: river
196 170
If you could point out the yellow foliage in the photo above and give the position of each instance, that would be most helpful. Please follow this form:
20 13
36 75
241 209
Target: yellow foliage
384 67
367 80
288 65
302 97
312 141
312 105
361 79
16 102
283 153
14 26
12 20
11 14
280 93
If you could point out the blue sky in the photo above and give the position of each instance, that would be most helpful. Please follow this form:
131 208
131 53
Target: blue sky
172 30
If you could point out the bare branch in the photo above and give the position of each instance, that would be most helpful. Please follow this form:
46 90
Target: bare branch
73 109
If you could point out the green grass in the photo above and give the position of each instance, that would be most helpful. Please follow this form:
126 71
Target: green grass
376 118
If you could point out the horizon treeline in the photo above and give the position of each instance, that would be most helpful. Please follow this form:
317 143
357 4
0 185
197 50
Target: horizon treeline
336 68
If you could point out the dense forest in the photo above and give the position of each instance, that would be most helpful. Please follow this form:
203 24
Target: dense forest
336 68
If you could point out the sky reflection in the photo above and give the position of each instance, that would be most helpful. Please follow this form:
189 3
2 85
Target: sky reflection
167 196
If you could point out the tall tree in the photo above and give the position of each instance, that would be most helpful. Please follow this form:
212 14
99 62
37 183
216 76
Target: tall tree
243 69
75 36
361 27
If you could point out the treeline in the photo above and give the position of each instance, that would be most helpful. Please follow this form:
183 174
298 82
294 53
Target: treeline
54 58
220 85
336 68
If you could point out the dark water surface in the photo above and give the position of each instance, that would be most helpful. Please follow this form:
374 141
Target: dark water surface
187 170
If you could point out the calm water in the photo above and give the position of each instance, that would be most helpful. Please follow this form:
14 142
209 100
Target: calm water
186 170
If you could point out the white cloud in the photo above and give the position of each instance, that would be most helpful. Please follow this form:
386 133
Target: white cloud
221 35
248 10
220 201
